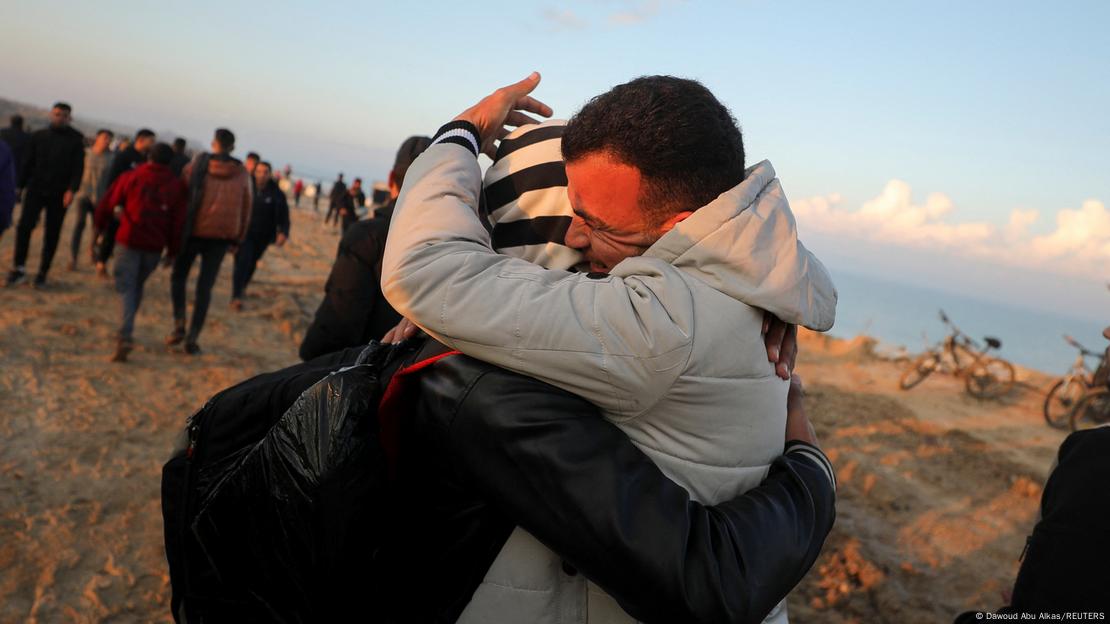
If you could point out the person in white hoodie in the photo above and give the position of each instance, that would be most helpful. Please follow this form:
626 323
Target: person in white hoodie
686 250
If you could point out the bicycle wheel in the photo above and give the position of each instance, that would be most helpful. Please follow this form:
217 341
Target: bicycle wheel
1061 399
989 378
1092 410
921 368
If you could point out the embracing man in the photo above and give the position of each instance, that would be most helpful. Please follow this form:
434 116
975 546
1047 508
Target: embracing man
687 252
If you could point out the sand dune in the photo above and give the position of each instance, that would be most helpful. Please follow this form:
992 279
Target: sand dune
937 490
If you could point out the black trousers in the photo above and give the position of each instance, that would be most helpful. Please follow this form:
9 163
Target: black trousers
85 210
33 205
211 254
246 261
107 242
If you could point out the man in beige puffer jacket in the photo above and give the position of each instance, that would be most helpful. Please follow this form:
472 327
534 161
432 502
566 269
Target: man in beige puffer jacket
219 212
686 249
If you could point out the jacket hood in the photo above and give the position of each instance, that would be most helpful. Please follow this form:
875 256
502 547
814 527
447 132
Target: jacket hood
225 168
154 169
745 245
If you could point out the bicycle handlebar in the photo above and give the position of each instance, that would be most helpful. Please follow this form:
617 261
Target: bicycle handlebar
1082 350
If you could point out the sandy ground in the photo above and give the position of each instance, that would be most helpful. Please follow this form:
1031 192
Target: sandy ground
937 490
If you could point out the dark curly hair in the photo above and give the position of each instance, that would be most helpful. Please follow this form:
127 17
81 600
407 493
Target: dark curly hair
685 143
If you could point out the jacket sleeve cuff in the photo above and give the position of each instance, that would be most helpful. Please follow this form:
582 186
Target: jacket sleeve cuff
797 448
461 133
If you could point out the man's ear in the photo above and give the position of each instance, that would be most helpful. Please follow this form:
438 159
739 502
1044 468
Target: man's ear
394 188
674 220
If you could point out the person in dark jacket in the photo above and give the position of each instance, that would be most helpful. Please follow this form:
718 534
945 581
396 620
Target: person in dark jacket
51 174
338 191
7 187
269 224
349 204
132 156
1063 566
153 217
353 310
180 158
16 138
250 162
318 190
485 449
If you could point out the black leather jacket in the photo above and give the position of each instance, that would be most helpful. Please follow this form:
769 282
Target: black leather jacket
525 453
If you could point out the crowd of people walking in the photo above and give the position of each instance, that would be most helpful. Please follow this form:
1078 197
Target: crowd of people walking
149 204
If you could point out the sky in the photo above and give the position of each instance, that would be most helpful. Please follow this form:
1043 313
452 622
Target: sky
962 145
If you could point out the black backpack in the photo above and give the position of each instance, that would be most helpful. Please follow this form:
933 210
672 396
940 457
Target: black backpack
267 502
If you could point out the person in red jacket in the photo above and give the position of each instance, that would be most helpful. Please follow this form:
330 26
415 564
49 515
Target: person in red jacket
153 219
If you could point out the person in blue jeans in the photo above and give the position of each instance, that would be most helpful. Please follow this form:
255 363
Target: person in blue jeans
153 218
269 224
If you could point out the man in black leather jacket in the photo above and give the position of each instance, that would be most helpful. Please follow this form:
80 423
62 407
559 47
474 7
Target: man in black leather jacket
497 449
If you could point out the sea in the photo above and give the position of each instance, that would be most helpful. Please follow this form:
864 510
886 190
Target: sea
900 315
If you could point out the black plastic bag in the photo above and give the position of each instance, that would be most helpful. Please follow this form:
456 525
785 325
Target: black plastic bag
293 524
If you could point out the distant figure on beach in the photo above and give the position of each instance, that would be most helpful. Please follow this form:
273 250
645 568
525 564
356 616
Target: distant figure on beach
216 221
353 310
153 200
298 190
130 157
52 170
7 187
97 161
180 158
349 204
122 144
319 190
338 190
16 138
250 162
269 224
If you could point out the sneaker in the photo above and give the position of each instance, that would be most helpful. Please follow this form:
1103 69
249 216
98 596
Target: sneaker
237 305
16 277
123 347
40 281
177 335
192 348
101 270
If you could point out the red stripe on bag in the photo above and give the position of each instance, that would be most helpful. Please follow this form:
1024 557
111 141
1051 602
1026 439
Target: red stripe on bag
393 408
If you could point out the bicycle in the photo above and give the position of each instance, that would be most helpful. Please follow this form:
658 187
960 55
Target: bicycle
958 354
1091 410
1067 391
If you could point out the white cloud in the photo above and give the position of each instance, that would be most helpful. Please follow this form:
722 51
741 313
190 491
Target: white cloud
639 12
564 19
1080 244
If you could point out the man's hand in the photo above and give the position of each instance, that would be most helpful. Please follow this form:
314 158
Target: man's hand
405 329
167 262
233 249
281 238
798 426
781 340
504 108
67 199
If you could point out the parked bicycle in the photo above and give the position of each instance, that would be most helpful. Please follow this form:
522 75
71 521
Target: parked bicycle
1093 407
1066 392
958 354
